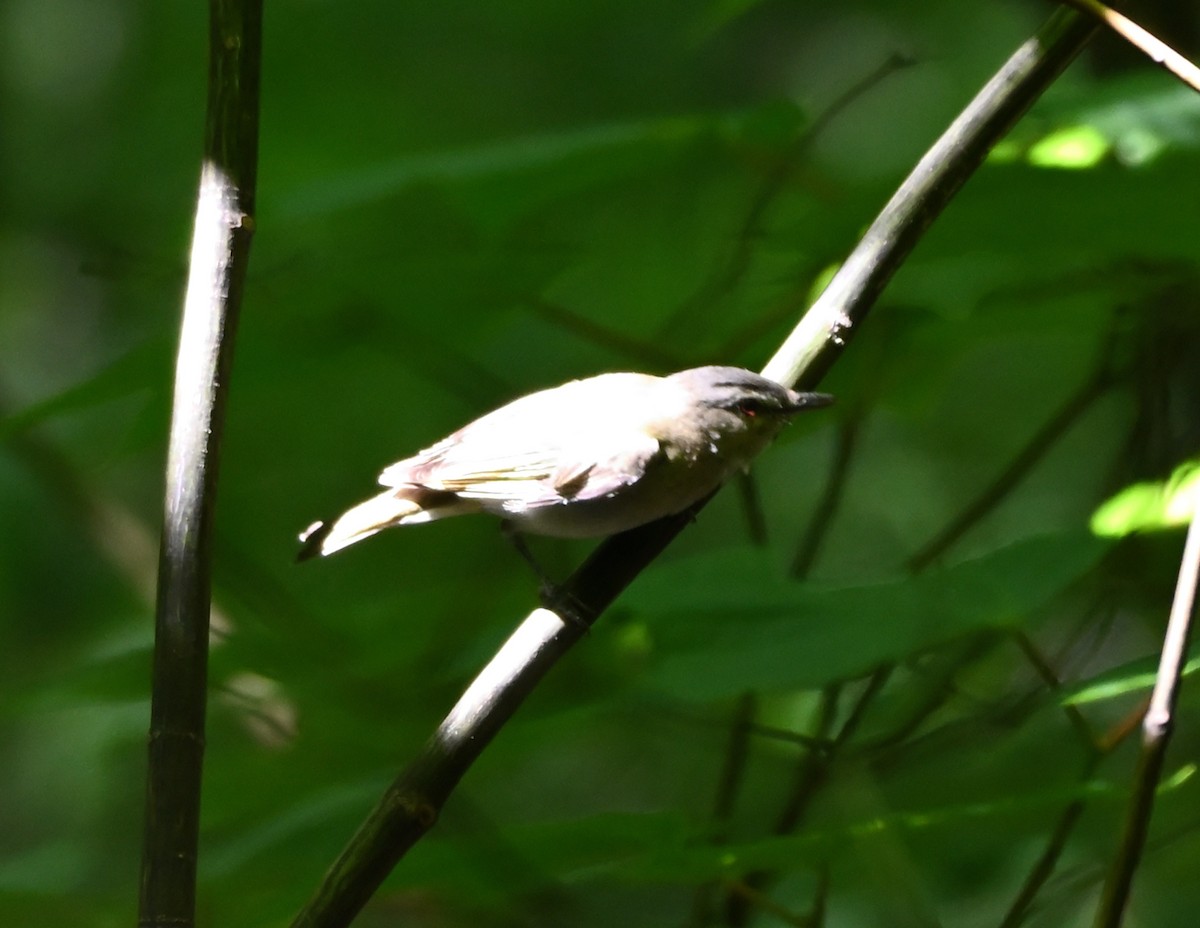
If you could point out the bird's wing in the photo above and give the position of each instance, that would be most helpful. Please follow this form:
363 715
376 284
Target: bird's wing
570 443
574 466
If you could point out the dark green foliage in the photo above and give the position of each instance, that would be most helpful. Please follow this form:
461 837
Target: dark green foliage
460 205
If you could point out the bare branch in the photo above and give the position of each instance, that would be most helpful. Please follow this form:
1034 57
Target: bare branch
220 252
1143 40
1156 735
1034 450
411 804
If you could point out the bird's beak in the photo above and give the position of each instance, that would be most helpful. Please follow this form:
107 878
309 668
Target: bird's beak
802 401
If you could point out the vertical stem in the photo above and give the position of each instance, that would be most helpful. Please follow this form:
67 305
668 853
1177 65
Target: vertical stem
1156 735
219 255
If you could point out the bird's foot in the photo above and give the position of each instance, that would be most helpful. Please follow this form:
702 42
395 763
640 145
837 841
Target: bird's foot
551 595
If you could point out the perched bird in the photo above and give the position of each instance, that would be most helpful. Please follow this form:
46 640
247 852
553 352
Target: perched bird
589 458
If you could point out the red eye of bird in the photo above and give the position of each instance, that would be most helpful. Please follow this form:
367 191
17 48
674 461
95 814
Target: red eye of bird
748 410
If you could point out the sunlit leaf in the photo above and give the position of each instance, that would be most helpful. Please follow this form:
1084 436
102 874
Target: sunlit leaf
1151 506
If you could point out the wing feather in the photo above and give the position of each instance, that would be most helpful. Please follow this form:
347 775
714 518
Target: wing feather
542 477
574 444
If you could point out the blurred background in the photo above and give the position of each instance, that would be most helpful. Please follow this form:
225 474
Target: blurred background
462 203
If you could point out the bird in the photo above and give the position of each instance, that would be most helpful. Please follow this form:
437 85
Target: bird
586 459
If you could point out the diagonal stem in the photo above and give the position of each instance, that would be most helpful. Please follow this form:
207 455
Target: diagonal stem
411 805
1143 40
1018 469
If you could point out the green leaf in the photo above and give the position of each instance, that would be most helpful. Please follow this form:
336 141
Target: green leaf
1133 677
729 622
137 372
1151 506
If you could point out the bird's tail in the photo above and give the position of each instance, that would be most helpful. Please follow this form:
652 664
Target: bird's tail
362 521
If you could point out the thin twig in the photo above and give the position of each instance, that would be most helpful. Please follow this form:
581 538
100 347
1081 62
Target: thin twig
939 688
1156 735
728 786
812 767
817 341
752 508
645 353
220 252
853 415
754 898
1105 744
1043 868
126 541
729 272
734 769
1056 844
1123 728
812 772
1144 41
1053 684
845 440
1034 450
410 806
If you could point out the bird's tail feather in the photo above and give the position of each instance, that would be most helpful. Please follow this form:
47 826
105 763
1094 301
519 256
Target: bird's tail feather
355 524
